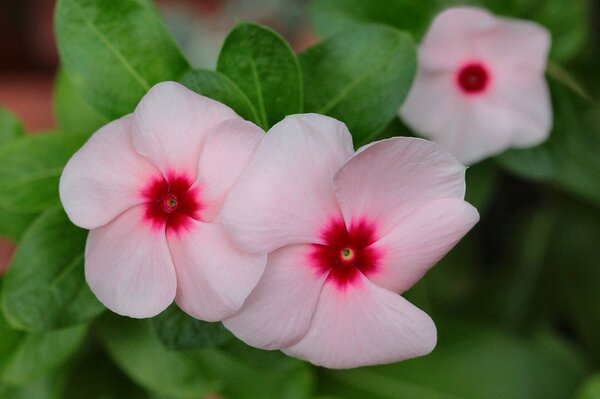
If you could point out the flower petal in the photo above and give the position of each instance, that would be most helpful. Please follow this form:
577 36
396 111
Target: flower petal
214 276
364 325
104 177
129 268
225 155
172 123
285 195
449 40
393 178
420 241
278 312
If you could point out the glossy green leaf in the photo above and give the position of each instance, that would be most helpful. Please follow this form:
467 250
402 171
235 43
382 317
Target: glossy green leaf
31 168
265 68
73 113
12 224
360 77
45 286
134 346
36 354
219 87
115 51
333 16
471 361
178 331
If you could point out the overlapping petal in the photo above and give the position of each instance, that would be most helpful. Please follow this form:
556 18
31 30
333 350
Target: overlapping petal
226 153
364 325
214 277
278 312
104 177
171 124
285 194
129 267
393 178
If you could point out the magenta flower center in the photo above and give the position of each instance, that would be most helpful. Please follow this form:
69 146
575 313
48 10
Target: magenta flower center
171 202
346 252
473 78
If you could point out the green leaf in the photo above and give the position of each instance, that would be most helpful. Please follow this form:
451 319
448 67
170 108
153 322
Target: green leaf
247 372
219 87
591 388
471 361
47 387
36 354
10 127
72 111
481 183
45 286
115 51
333 16
360 77
31 168
569 158
178 331
12 224
265 68
134 346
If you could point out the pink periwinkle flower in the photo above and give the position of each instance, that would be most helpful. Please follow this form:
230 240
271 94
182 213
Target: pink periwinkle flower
480 86
150 187
345 233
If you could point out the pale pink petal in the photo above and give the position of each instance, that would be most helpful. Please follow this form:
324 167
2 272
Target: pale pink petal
214 276
278 312
528 101
513 44
449 40
285 195
433 103
420 241
225 154
171 126
129 268
364 325
395 177
104 177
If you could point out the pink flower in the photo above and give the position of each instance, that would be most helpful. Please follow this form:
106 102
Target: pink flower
347 231
150 187
480 87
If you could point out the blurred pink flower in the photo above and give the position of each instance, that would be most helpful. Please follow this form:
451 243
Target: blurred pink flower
150 187
346 232
480 86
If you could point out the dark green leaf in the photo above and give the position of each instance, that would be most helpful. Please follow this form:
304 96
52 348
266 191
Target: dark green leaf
45 286
178 331
115 51
134 346
481 183
265 68
31 168
36 354
471 361
248 372
219 87
73 113
360 77
333 16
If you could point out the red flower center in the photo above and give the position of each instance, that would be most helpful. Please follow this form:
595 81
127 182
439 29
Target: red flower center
473 78
171 202
346 252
